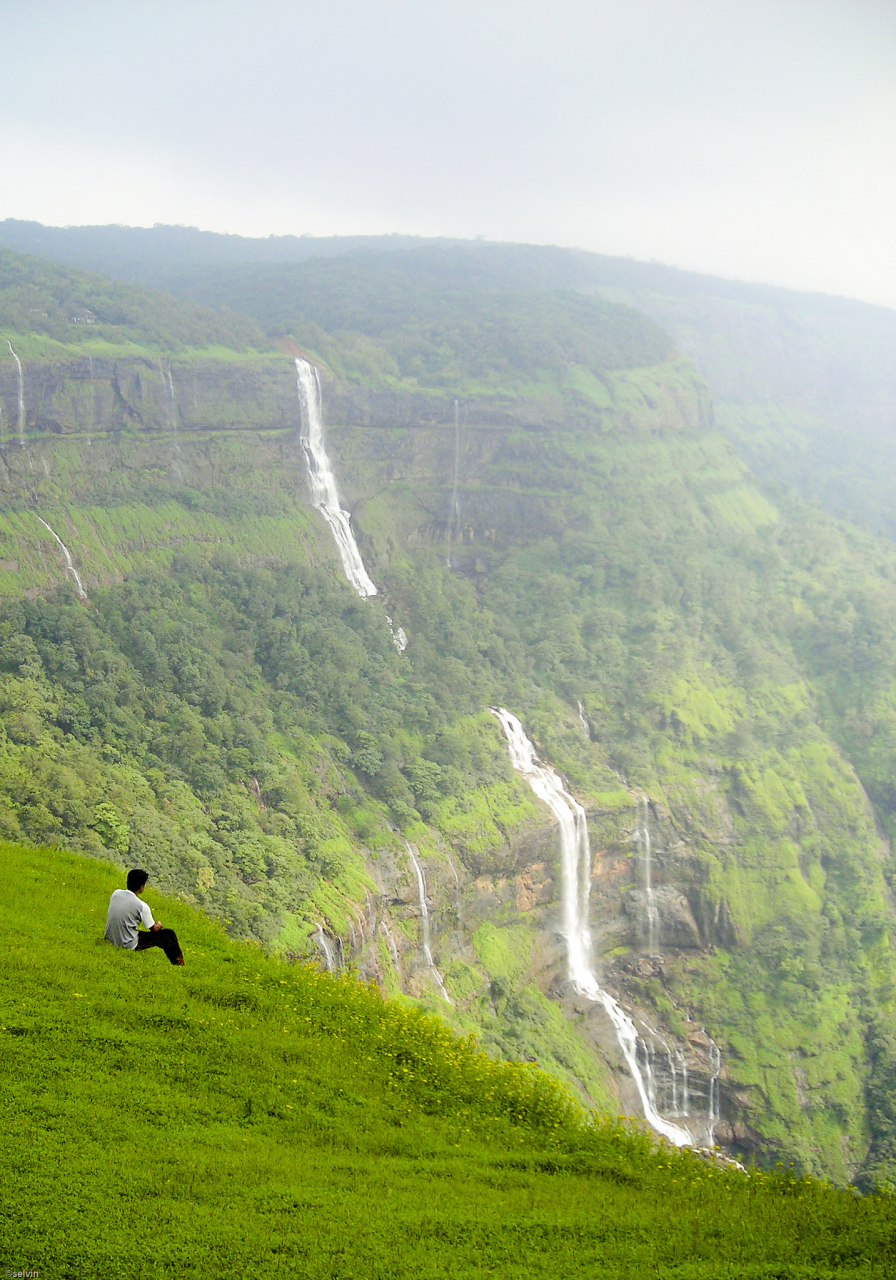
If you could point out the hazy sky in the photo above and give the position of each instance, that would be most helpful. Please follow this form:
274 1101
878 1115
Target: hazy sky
751 138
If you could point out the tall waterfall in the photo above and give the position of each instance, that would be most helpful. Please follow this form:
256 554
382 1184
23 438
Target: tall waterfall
575 863
424 918
651 913
715 1058
69 564
21 393
324 493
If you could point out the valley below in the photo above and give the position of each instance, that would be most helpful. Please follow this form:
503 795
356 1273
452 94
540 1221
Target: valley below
190 683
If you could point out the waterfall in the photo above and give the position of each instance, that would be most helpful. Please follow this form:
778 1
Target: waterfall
684 1105
324 493
583 721
21 393
675 1106
168 384
715 1059
575 865
399 637
642 839
393 950
321 939
424 916
79 585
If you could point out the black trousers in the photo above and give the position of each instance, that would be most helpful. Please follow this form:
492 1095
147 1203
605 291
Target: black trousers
164 938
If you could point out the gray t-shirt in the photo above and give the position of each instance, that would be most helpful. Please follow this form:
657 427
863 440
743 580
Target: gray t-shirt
126 911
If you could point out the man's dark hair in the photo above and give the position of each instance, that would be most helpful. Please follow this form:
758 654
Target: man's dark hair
136 879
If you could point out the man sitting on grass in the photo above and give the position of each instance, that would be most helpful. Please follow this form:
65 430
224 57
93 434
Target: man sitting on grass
125 913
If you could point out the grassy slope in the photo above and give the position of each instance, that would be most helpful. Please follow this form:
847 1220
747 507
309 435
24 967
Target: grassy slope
241 1117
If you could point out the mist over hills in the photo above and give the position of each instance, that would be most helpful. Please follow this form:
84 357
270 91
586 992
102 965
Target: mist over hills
155 255
574 539
804 384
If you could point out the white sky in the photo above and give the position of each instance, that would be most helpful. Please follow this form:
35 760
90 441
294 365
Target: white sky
755 139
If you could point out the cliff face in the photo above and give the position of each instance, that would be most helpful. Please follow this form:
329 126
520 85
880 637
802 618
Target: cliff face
578 531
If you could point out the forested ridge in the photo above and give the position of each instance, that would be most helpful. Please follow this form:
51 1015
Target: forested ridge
43 300
232 716
804 384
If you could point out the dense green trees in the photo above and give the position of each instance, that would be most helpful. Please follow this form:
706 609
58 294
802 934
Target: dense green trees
38 297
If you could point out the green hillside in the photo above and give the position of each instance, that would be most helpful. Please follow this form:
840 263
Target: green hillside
52 310
584 548
241 1116
427 317
804 384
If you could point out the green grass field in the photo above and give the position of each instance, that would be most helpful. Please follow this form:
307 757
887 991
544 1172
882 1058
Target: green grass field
243 1117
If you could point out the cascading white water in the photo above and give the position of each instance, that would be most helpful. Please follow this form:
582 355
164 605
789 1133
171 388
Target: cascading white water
324 493
583 720
575 863
321 939
651 913
69 564
685 1093
21 393
399 637
715 1058
424 918
674 1103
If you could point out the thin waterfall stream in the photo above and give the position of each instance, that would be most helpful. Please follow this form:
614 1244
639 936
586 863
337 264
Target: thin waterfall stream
21 393
323 943
325 494
651 913
69 563
168 384
424 919
575 865
715 1058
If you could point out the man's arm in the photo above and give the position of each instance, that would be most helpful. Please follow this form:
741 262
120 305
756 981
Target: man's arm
146 918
